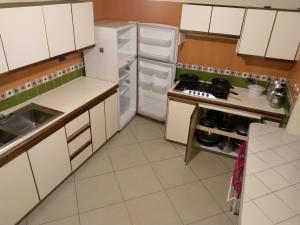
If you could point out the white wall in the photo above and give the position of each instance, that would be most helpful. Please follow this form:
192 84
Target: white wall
294 122
284 4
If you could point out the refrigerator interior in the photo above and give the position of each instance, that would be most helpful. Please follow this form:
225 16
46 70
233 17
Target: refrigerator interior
158 42
155 79
157 55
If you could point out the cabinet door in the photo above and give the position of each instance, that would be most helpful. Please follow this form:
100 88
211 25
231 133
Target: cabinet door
18 193
285 37
59 27
3 63
111 115
256 32
178 121
195 17
226 20
83 21
97 118
50 162
23 35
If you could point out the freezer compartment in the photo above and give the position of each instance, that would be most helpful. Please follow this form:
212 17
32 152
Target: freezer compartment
158 42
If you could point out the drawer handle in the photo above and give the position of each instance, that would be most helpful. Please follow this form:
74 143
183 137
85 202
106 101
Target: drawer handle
82 148
79 132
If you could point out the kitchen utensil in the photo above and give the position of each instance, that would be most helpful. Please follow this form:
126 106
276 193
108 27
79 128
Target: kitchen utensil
206 138
211 118
276 100
275 87
189 78
255 89
240 124
226 145
225 125
221 85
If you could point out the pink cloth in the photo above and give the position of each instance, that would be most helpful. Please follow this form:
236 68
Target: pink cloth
238 171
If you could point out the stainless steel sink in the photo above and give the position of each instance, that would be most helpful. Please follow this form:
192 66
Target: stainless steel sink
23 121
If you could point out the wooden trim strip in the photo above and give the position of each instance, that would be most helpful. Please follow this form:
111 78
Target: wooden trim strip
81 149
79 132
192 100
33 140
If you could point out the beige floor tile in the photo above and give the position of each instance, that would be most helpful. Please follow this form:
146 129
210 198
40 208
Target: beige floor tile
180 148
173 172
272 180
207 165
127 156
23 222
292 221
60 204
274 208
110 215
138 181
147 132
215 220
291 197
254 215
141 120
152 209
229 162
158 150
96 192
97 165
218 187
233 218
125 137
255 188
193 202
74 220
289 172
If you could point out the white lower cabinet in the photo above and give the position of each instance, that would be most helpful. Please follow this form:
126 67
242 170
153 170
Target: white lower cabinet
18 194
178 121
97 117
111 115
50 162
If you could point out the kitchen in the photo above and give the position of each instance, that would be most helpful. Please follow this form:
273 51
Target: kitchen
142 168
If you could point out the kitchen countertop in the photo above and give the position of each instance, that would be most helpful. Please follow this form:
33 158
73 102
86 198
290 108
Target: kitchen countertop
242 101
271 193
66 98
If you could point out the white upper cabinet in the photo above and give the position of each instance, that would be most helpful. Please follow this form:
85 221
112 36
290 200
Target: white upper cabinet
195 17
83 20
59 27
23 35
226 20
285 37
50 162
3 63
256 32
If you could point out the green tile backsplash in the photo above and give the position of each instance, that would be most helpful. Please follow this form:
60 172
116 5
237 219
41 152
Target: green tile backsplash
19 95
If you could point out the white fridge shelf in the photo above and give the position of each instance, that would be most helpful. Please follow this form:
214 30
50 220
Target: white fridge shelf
125 59
156 42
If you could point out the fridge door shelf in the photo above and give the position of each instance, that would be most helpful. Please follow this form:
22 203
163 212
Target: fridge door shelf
122 41
152 107
160 57
145 81
158 73
155 42
123 74
125 59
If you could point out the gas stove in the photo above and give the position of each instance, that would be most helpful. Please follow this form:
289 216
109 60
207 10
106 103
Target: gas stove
199 89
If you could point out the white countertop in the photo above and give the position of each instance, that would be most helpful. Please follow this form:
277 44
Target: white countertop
243 99
271 190
66 99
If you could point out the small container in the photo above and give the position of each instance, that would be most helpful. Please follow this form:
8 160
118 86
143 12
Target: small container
255 89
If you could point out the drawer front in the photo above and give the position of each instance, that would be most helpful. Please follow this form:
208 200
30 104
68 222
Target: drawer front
79 159
77 123
79 141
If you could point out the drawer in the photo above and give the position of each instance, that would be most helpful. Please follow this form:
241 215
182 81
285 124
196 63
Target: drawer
77 123
79 141
79 159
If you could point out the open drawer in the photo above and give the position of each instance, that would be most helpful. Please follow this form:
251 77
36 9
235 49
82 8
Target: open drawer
222 137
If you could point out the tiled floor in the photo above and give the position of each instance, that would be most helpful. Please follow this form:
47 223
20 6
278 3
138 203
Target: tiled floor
138 178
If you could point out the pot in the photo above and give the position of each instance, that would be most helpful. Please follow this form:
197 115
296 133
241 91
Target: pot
189 78
207 139
212 118
276 100
221 85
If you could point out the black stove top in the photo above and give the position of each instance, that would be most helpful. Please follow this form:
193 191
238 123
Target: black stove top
200 89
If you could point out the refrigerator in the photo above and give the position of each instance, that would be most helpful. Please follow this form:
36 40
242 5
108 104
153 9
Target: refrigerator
114 59
157 57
